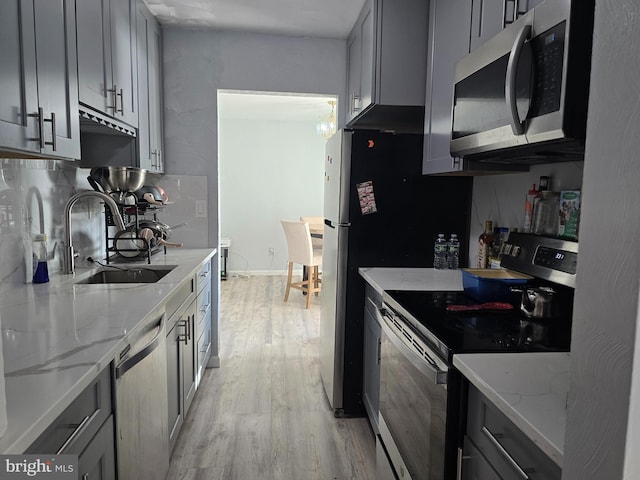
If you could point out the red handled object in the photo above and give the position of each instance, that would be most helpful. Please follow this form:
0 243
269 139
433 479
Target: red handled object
481 306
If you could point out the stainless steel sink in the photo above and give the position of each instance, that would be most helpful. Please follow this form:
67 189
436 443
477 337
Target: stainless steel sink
127 275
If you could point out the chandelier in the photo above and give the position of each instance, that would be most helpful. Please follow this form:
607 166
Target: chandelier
327 123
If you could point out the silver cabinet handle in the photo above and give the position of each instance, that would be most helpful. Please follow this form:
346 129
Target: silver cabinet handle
187 332
53 142
494 440
355 101
41 121
114 99
510 92
41 126
121 95
78 430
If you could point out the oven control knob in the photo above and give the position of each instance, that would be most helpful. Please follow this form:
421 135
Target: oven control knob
515 251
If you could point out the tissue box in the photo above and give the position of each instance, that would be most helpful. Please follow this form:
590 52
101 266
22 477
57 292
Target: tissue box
569 214
489 285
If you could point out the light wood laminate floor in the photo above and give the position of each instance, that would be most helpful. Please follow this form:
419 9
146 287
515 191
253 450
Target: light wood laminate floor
264 414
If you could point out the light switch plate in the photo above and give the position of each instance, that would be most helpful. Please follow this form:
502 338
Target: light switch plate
201 208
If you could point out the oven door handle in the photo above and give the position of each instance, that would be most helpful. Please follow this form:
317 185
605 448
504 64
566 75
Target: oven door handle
425 365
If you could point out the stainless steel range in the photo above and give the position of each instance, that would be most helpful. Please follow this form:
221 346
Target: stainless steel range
421 393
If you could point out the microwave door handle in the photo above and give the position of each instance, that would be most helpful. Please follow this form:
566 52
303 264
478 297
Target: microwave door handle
510 92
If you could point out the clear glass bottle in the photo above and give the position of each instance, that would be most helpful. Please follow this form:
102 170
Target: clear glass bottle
440 252
485 242
40 268
546 215
453 252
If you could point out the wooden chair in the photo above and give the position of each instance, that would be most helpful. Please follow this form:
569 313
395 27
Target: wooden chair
301 251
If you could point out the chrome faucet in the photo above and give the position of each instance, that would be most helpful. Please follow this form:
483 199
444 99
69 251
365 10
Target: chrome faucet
68 262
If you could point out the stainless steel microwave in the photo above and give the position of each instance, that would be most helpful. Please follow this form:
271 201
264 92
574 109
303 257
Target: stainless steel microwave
523 94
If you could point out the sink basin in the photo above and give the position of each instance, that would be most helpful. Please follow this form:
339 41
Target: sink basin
128 275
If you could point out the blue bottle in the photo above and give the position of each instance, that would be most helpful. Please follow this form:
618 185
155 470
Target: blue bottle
40 268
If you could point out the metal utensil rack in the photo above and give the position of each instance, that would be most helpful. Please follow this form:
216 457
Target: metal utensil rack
131 213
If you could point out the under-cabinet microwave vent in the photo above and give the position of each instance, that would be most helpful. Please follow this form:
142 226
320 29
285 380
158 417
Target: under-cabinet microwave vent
93 122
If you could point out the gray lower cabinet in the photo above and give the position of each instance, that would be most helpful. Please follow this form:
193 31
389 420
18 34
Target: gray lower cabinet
107 61
181 366
495 448
39 101
149 51
98 460
475 466
203 319
85 429
371 359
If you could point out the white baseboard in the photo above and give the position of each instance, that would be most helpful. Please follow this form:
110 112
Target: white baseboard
264 273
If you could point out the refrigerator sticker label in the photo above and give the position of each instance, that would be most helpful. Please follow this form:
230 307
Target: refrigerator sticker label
366 197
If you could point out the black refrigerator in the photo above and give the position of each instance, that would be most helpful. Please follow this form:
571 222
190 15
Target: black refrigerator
380 211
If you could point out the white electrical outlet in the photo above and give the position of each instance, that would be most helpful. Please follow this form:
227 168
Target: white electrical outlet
201 208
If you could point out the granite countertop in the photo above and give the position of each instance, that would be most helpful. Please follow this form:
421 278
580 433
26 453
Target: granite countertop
529 388
385 278
57 336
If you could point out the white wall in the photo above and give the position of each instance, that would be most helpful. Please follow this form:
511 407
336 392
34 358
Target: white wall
501 197
198 63
268 171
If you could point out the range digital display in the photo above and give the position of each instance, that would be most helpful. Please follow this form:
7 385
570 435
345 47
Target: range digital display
556 259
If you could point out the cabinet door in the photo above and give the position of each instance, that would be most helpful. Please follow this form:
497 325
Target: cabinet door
474 465
371 367
156 132
360 61
18 83
98 460
181 370
487 20
354 47
57 78
449 20
189 358
94 54
123 60
367 33
174 383
149 91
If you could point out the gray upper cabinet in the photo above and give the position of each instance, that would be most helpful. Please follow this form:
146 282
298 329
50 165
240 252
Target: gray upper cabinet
39 104
150 132
491 16
387 52
107 70
488 18
448 43
450 22
361 49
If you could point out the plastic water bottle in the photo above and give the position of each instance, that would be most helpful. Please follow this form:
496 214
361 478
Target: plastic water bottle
453 252
440 252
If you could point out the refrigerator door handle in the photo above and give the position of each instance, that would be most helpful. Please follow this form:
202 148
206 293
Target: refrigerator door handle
330 224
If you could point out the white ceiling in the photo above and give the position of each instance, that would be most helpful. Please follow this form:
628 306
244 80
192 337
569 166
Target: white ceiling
271 106
309 18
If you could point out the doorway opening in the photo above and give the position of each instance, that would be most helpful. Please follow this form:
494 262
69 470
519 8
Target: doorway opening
270 167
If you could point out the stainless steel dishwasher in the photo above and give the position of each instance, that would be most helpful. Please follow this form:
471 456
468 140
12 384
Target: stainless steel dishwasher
142 436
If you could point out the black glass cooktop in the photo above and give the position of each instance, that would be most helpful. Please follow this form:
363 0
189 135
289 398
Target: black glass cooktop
485 331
